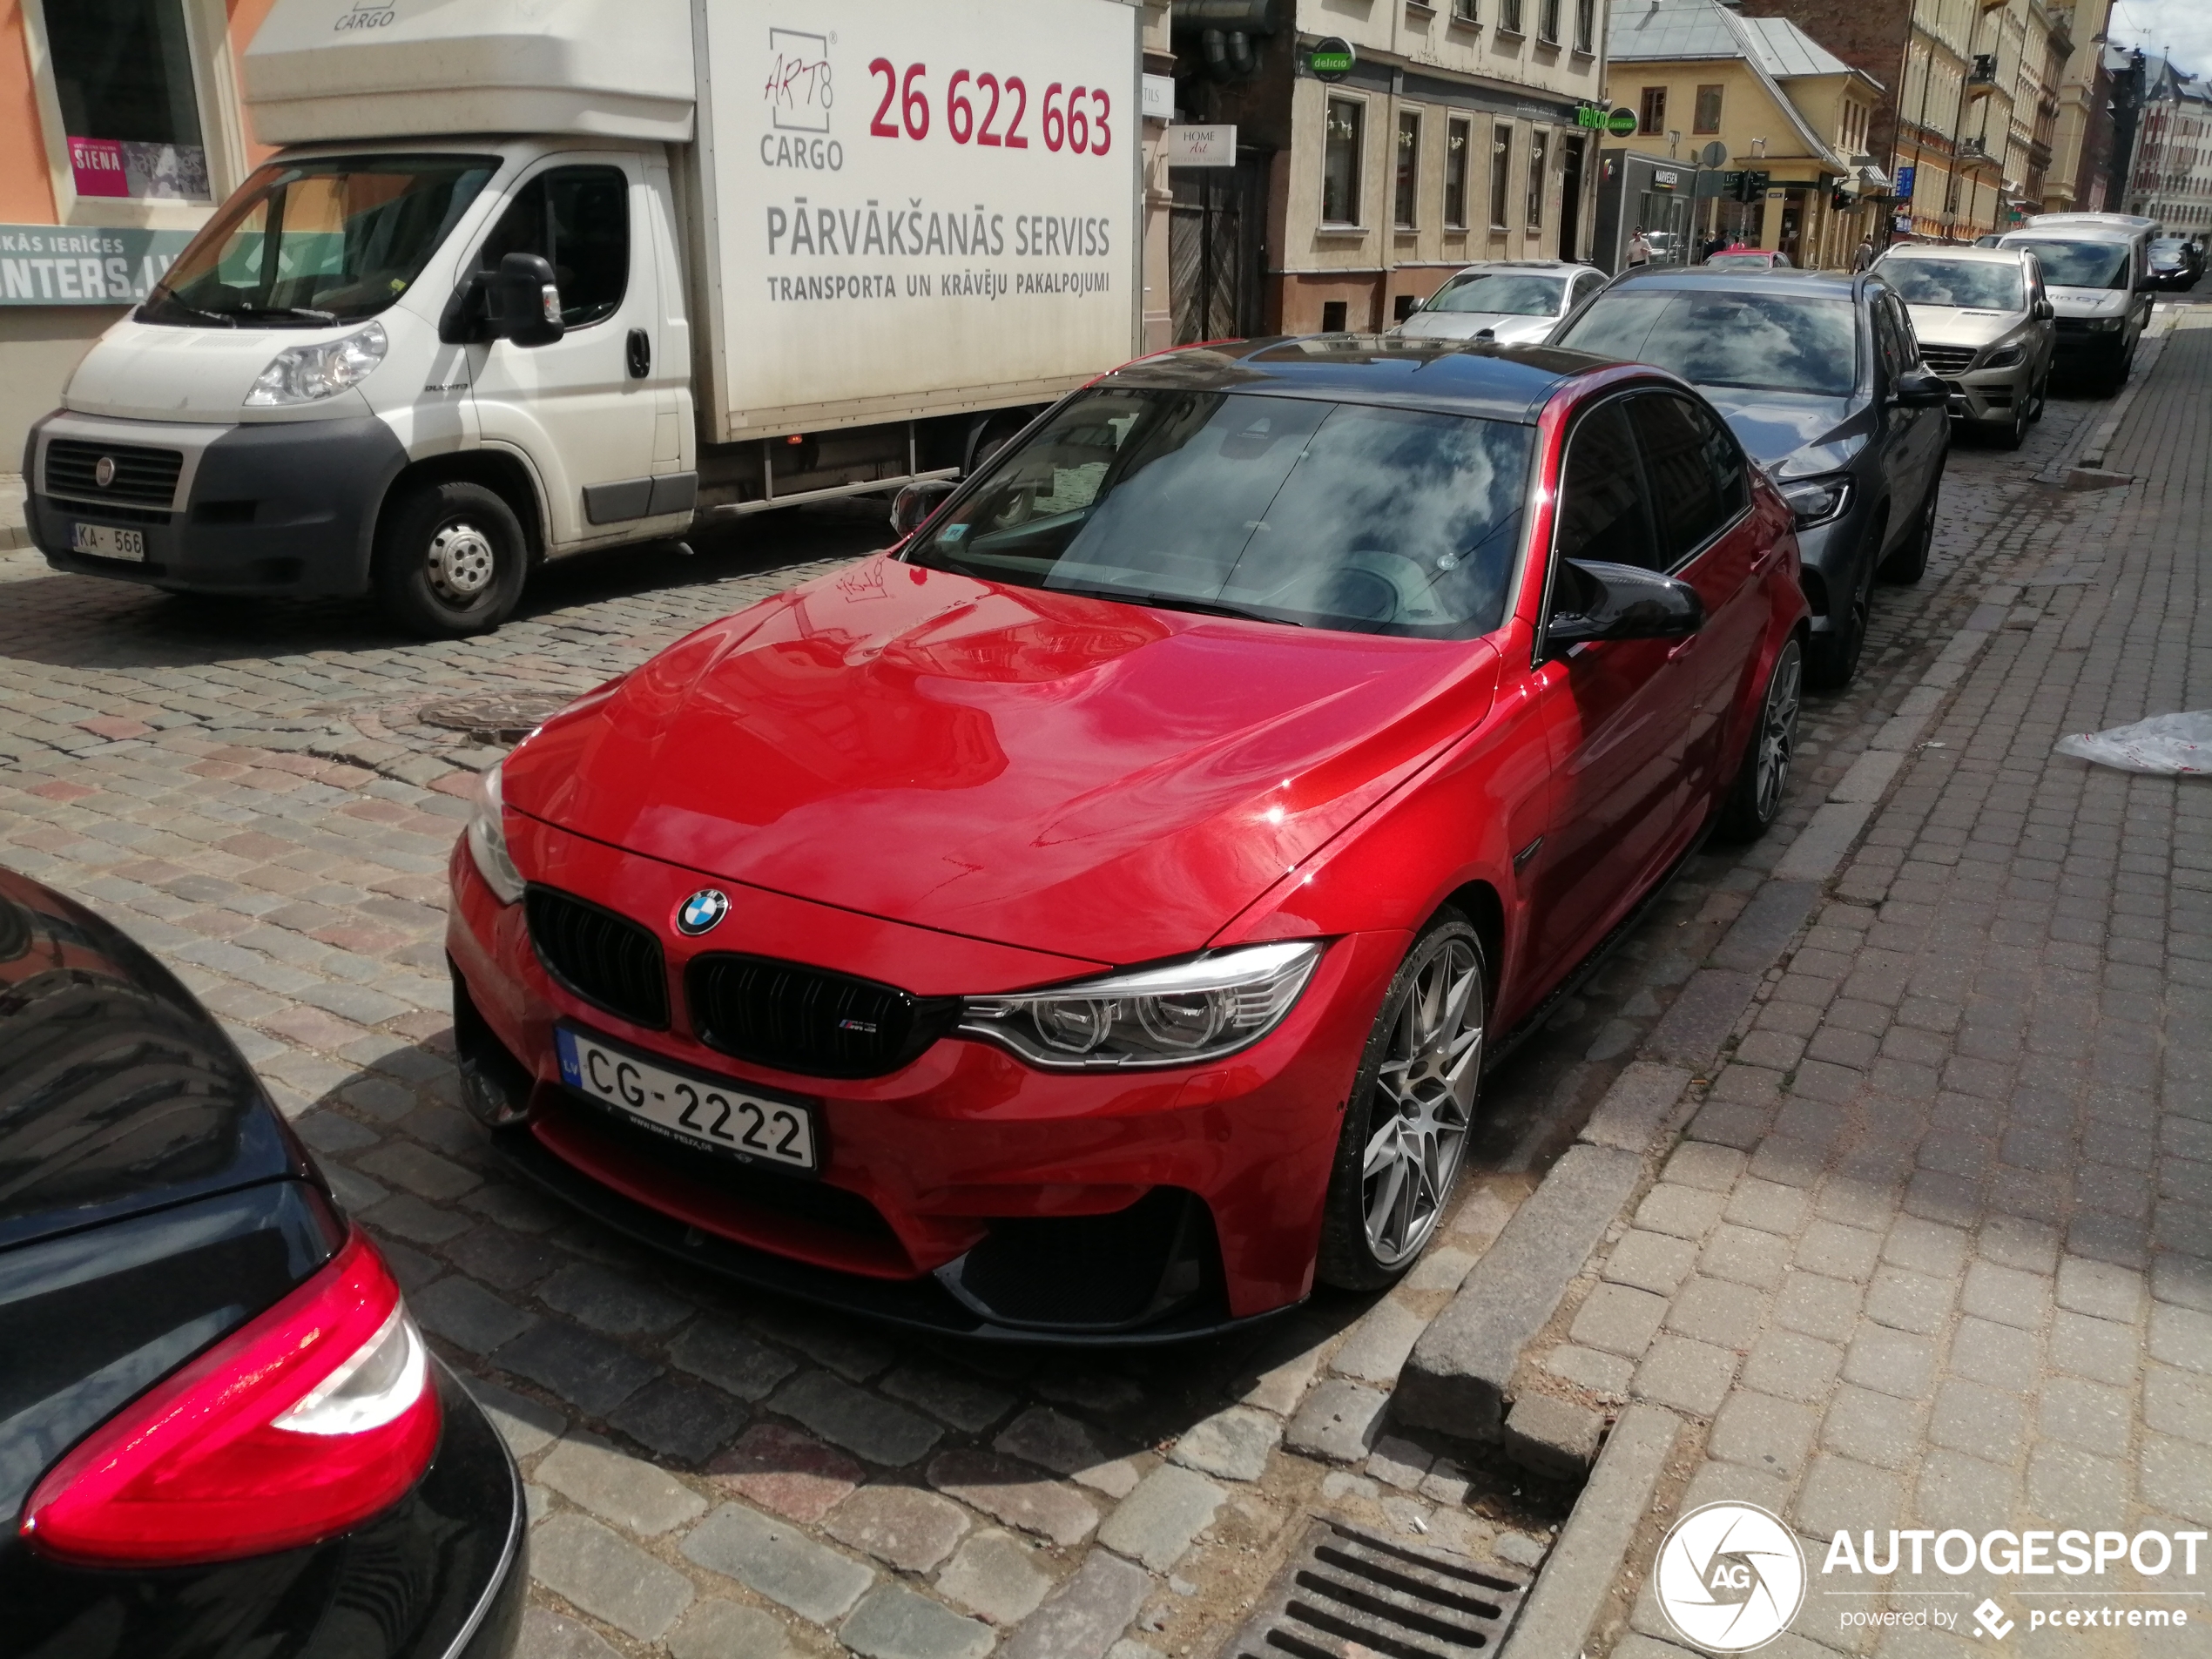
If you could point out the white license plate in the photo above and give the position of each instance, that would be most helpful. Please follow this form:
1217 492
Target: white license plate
106 541
701 1111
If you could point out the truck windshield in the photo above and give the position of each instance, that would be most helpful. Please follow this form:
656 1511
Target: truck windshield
1286 509
309 243
2079 265
1969 285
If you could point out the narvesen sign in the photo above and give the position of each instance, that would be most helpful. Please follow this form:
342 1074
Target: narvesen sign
50 265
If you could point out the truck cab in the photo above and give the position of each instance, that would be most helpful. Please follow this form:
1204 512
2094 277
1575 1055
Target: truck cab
463 323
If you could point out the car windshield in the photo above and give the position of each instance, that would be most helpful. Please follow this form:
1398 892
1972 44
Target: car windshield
1288 510
1759 342
2080 265
314 243
1512 293
1979 285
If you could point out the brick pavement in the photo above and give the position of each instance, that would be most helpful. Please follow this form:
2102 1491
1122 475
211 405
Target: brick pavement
1937 1249
249 792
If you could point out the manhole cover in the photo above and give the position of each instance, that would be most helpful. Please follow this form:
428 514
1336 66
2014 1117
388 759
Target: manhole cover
1347 1594
501 717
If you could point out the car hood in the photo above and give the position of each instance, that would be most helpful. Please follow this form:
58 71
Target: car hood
1101 780
1506 326
2089 302
1792 434
1956 326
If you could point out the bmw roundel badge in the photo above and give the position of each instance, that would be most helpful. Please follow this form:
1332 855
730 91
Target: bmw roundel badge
698 913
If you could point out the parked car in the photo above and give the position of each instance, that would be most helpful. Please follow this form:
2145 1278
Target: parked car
1984 324
1092 919
1512 302
2097 267
223 1433
1820 377
2176 262
1736 257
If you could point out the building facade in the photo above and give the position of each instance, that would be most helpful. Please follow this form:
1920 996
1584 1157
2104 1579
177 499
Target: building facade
2171 180
120 129
1381 144
1697 73
2082 140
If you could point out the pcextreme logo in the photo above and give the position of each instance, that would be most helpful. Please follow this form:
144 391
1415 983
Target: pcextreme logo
1730 1577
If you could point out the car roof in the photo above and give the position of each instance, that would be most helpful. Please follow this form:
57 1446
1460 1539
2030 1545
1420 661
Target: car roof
1449 376
1957 251
1525 265
1787 281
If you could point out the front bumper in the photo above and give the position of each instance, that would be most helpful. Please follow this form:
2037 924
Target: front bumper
1991 396
965 1192
2077 343
283 508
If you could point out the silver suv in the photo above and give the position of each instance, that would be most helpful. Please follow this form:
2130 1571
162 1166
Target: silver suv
1984 324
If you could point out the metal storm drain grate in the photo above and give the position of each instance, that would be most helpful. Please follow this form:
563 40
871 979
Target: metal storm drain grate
1347 1594
499 717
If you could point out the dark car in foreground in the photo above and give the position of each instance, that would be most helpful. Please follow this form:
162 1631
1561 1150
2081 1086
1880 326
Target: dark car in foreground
1820 376
220 1433
1092 920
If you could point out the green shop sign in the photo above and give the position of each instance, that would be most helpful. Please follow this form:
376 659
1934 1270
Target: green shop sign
1332 59
70 265
1622 124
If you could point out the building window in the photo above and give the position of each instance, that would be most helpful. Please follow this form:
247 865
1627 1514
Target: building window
1509 17
1651 114
1501 173
1536 148
1585 25
1708 118
1405 189
1548 21
122 78
1466 11
1340 162
1458 139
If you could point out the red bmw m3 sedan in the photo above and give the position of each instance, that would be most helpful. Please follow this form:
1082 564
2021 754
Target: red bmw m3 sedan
1092 919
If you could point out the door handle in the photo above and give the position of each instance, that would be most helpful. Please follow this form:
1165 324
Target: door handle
1681 650
641 353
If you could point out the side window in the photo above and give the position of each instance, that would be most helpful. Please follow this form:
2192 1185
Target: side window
1602 512
1888 345
1678 463
1910 341
1584 287
578 219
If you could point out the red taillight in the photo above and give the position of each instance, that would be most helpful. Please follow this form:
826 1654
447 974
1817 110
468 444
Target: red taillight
301 1424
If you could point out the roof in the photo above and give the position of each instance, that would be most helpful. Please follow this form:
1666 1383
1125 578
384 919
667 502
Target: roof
1816 285
1656 29
1453 376
1787 51
1903 250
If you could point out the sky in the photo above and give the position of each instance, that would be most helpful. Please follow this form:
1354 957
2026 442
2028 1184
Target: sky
2185 26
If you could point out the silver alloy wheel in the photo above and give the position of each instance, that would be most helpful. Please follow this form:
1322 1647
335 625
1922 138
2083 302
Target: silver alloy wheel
1424 1102
1777 734
462 562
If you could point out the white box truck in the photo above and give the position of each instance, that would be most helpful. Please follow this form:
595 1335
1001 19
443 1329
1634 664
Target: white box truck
533 277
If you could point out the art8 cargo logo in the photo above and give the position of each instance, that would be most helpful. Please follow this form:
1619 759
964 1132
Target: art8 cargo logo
1730 1577
798 92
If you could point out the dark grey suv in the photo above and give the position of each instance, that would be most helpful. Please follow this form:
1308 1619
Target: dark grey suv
1820 377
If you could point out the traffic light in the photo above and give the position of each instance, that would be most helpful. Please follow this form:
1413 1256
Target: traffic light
1840 200
1751 188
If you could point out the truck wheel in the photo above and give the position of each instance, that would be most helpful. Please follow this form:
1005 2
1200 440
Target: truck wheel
449 560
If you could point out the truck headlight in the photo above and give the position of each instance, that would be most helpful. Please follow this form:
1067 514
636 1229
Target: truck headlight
1178 1015
309 374
487 839
2104 325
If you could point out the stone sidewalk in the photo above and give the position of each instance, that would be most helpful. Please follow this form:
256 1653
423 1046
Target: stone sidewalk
1937 1250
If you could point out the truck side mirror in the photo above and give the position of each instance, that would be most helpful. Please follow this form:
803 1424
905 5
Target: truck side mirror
528 309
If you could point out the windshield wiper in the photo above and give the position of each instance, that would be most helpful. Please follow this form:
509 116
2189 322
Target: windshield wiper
165 297
1178 602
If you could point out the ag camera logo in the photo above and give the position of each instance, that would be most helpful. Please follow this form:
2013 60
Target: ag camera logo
1730 1577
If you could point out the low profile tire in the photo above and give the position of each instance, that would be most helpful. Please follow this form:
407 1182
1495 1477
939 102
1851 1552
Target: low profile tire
1754 799
1910 563
1831 661
449 561
1411 1108
2015 435
2042 394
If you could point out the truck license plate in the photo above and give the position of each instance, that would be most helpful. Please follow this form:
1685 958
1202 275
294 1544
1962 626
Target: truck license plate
701 1111
107 543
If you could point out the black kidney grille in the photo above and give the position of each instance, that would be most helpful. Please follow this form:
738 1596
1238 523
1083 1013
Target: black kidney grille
607 960
143 477
807 1019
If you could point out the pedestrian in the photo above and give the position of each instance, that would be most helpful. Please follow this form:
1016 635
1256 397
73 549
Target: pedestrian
1864 259
1714 247
1639 248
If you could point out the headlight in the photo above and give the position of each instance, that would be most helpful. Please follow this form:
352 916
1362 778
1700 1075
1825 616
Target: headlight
1178 1015
2009 357
2104 325
1816 501
308 373
487 839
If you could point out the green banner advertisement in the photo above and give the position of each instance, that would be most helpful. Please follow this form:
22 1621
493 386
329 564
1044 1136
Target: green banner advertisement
75 265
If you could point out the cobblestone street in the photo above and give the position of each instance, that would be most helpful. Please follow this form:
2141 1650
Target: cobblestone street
1937 1250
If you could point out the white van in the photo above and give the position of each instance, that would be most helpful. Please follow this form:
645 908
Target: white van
2096 268
535 277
